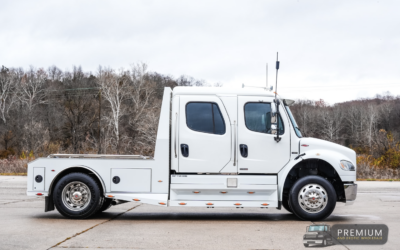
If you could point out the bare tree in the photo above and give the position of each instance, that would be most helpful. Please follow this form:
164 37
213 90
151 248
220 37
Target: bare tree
32 94
54 73
370 117
141 91
115 90
79 105
9 79
331 123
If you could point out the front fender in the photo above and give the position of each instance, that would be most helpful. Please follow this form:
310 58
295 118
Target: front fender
331 157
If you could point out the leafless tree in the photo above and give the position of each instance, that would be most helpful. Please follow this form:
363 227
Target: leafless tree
370 117
141 91
115 90
9 80
32 93
331 119
79 104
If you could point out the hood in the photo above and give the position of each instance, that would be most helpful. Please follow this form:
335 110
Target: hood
318 144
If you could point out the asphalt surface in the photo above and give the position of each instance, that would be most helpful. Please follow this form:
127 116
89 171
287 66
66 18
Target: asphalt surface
25 225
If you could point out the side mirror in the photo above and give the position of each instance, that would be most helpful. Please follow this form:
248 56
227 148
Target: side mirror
273 119
273 109
273 129
273 113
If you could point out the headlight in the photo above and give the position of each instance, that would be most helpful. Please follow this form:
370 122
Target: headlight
346 165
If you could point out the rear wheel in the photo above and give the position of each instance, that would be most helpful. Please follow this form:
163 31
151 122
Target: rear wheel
312 198
77 196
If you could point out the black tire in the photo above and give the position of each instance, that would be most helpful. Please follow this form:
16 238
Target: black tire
299 211
285 204
106 205
93 204
306 245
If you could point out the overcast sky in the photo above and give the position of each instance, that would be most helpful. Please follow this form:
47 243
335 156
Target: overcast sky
334 50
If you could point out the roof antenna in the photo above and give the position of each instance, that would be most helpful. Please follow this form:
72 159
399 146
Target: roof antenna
277 138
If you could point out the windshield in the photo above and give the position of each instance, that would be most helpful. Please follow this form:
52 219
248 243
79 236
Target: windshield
296 128
317 229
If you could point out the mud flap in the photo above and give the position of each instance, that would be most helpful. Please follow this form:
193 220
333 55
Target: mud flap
48 204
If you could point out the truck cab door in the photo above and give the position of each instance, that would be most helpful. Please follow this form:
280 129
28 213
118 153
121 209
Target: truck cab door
258 151
204 135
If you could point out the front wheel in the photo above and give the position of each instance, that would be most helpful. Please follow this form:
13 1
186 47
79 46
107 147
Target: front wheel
77 196
312 198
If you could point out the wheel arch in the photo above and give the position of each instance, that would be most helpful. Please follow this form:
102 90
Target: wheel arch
79 169
308 167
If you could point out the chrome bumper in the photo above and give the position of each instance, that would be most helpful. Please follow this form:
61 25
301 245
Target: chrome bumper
311 241
350 191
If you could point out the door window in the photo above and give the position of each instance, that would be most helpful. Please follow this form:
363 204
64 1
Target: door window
258 118
205 117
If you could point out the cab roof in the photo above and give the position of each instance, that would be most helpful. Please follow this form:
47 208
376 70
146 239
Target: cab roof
224 91
221 91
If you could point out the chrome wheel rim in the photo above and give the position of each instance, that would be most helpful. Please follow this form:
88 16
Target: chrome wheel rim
313 198
76 196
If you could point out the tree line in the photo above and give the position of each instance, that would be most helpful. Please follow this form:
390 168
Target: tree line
54 111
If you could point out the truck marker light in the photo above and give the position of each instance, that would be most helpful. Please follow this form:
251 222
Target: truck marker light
110 196
160 181
251 192
223 192
237 204
161 203
196 192
182 203
209 203
136 199
304 145
39 194
52 170
265 204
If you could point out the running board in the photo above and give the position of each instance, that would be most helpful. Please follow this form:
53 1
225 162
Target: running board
224 191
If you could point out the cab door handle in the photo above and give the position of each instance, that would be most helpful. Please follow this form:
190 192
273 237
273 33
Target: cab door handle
185 150
244 150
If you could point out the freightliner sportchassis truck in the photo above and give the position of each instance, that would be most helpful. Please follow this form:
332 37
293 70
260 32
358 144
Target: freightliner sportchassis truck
216 147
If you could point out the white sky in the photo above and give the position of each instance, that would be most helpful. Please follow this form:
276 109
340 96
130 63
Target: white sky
334 50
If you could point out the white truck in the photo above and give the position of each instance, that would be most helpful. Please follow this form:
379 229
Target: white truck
216 147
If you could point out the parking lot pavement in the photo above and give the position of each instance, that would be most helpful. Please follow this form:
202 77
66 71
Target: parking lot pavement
25 225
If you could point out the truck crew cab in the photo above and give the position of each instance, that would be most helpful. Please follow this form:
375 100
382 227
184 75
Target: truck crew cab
216 147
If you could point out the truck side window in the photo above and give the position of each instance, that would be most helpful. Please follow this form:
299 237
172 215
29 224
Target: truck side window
205 117
258 117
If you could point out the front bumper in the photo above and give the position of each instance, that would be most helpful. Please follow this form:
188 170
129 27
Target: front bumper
311 241
350 191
